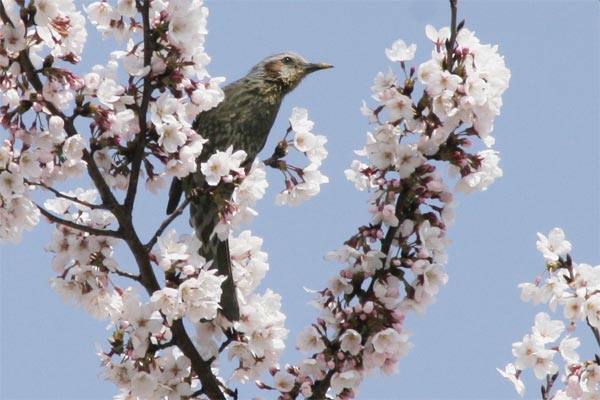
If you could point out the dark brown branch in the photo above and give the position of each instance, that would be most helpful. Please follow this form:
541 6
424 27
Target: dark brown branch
321 387
76 226
140 141
167 222
67 197
594 331
453 32
4 16
550 379
128 275
210 384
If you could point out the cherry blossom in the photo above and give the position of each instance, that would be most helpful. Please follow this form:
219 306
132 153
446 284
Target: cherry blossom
223 165
400 52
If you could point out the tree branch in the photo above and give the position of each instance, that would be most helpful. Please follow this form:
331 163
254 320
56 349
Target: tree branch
75 225
4 16
167 222
67 197
320 387
594 331
128 275
451 42
140 141
210 384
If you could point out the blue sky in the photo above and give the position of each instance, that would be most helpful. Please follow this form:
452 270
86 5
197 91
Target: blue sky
547 136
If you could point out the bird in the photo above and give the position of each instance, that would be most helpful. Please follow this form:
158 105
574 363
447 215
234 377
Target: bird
243 121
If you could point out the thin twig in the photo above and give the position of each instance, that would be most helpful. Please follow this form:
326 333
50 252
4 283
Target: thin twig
4 16
67 197
594 331
452 40
75 225
178 211
548 388
128 275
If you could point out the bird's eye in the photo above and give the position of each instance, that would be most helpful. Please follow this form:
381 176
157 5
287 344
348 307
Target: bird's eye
286 60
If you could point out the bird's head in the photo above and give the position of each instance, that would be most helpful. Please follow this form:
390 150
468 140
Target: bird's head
285 69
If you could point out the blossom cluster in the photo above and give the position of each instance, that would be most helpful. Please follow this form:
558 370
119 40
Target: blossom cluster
262 331
38 150
37 94
573 290
394 265
82 260
84 263
139 370
225 167
33 153
19 213
178 63
301 183
259 335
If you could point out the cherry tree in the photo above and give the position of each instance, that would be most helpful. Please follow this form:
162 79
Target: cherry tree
124 127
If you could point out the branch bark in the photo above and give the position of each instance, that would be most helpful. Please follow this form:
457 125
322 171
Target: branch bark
453 32
73 199
76 226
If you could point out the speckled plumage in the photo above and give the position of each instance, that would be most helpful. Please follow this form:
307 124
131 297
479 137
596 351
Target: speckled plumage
242 120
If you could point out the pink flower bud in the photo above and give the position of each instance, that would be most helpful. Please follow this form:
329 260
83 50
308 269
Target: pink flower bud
261 385
446 197
227 178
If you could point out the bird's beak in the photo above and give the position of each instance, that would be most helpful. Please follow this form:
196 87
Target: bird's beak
312 67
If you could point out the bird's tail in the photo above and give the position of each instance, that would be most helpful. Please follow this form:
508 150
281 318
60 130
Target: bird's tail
204 218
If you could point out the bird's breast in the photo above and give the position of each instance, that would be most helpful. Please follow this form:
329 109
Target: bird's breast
243 119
